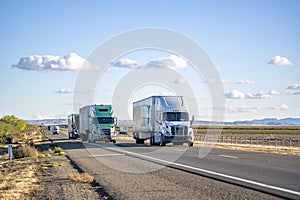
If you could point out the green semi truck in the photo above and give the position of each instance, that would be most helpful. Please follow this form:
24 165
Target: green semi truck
97 123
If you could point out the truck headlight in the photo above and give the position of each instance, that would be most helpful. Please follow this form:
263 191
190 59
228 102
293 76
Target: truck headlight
167 133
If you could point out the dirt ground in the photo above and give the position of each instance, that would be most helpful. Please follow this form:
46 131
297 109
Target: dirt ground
45 177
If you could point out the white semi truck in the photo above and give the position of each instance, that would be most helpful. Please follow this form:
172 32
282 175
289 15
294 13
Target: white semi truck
97 123
73 126
162 119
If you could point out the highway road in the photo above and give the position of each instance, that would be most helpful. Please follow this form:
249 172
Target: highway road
130 171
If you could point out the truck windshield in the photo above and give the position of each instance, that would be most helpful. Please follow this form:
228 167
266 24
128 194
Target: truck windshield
104 120
176 116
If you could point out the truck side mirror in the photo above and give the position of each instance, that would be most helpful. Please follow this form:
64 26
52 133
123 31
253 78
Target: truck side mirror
193 118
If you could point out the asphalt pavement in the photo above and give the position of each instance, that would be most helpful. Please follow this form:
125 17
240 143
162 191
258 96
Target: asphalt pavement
131 171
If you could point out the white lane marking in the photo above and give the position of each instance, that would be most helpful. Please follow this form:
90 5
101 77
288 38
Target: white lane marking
228 156
179 149
108 154
203 170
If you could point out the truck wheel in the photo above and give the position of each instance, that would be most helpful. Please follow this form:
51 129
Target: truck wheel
114 141
162 141
152 140
191 144
137 140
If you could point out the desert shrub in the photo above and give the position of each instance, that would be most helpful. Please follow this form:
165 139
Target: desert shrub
81 177
25 151
58 150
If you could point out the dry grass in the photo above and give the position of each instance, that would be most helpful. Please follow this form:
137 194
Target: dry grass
59 151
47 165
266 149
25 151
20 181
81 177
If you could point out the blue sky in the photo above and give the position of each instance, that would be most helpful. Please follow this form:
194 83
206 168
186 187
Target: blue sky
254 45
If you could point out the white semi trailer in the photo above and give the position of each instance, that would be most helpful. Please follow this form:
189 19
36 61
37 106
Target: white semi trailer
162 119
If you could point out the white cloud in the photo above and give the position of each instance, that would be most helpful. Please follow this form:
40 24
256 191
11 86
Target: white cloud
258 96
38 117
239 109
280 61
234 95
70 62
126 63
238 82
273 92
253 109
240 95
63 91
294 87
279 107
173 61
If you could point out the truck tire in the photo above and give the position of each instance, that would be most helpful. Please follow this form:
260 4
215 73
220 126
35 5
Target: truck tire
162 141
191 144
114 141
139 141
152 142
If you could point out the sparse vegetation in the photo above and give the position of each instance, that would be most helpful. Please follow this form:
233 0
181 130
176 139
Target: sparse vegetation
15 130
45 155
81 177
25 151
47 165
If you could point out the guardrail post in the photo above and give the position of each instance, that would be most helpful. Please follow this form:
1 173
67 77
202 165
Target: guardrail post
231 139
240 140
290 142
275 142
250 140
268 141
298 143
283 142
256 140
262 141
226 139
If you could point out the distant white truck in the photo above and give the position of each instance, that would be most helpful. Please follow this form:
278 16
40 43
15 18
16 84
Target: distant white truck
97 123
73 126
55 129
162 119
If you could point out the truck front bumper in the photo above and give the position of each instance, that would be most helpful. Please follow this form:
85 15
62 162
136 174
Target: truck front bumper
178 139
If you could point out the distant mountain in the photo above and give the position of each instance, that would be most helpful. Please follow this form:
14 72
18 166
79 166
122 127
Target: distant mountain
257 122
263 122
281 122
47 121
